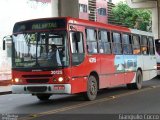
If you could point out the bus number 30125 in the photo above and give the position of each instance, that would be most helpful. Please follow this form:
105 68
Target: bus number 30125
58 72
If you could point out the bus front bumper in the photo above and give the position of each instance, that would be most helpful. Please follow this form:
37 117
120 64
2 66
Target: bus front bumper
44 89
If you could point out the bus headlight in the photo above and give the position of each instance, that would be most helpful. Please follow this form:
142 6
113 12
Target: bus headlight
60 79
17 80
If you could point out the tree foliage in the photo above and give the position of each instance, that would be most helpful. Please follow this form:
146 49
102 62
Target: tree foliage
132 18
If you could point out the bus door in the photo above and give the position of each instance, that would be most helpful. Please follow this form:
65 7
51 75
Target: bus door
145 56
106 58
79 75
149 59
153 59
130 60
118 75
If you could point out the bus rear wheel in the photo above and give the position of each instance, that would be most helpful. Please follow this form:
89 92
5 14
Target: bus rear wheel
43 97
138 83
92 88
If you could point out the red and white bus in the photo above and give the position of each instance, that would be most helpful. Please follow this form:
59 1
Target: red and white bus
89 56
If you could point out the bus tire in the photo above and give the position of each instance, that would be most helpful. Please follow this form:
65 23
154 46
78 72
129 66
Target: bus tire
139 79
43 97
92 88
138 83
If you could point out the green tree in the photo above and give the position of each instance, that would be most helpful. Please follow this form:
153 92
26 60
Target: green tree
132 18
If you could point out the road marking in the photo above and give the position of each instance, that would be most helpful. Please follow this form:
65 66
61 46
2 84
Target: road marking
87 103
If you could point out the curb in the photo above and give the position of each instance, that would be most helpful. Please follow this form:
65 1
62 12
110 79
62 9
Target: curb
6 92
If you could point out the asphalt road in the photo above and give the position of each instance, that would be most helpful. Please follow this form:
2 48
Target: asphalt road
111 102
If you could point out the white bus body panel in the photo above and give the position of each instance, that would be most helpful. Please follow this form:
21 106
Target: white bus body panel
147 63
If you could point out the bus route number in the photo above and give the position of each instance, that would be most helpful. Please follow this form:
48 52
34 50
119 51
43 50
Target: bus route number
56 72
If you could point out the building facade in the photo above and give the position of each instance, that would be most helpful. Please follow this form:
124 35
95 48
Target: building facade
94 10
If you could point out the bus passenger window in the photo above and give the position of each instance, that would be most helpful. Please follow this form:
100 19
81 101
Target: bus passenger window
127 47
136 45
104 42
117 48
144 45
92 47
91 41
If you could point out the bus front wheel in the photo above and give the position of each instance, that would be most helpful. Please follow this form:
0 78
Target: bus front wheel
138 83
92 88
43 97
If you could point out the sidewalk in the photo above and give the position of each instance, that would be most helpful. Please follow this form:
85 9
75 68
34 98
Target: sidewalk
5 90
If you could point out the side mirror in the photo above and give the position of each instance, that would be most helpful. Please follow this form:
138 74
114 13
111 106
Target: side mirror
4 44
77 36
8 39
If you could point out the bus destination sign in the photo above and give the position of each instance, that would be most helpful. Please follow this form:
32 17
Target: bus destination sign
39 25
44 26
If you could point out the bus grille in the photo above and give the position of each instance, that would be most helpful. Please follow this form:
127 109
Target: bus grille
33 79
37 80
37 88
36 76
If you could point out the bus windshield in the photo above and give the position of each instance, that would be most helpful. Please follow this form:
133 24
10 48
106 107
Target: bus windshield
40 50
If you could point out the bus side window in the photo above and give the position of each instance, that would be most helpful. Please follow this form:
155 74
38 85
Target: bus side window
104 44
77 47
116 46
126 41
144 45
151 46
136 44
91 35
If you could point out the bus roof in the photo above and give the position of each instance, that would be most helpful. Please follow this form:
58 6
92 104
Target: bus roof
89 24
97 24
135 31
80 22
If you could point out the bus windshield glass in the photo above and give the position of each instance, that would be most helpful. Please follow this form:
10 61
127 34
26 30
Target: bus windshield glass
40 50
